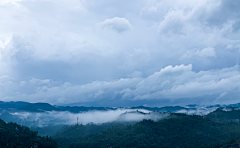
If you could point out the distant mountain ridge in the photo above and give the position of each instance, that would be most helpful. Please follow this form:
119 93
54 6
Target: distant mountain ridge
42 107
39 107
13 105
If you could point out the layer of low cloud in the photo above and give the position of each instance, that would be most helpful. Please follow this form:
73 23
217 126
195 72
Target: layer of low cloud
78 51
67 118
120 115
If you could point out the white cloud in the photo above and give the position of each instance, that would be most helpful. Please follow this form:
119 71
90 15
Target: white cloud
4 2
60 93
182 82
61 50
204 53
168 83
207 52
136 74
185 17
173 23
230 46
117 24
38 81
97 117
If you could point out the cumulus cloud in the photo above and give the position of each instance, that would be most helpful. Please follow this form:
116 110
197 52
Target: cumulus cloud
204 53
38 81
173 23
207 52
58 55
182 82
184 18
60 93
169 83
117 24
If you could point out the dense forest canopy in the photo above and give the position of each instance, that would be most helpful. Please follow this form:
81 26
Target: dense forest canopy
13 135
219 128
178 131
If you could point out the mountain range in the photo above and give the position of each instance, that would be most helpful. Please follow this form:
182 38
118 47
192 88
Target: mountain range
42 107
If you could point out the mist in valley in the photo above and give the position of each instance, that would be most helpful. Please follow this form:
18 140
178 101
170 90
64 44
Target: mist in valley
47 118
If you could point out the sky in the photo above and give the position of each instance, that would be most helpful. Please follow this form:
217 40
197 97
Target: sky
120 53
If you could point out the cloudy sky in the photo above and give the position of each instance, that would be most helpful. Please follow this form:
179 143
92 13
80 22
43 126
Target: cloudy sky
120 52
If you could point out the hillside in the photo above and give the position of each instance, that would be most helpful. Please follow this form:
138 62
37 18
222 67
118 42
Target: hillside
178 131
13 135
77 131
230 114
69 134
217 129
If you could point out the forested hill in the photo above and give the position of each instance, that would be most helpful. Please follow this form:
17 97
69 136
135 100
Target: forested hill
71 133
230 113
176 130
180 130
13 135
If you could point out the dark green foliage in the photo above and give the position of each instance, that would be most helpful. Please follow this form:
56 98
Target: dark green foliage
233 143
70 134
49 130
13 135
220 114
80 130
178 131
